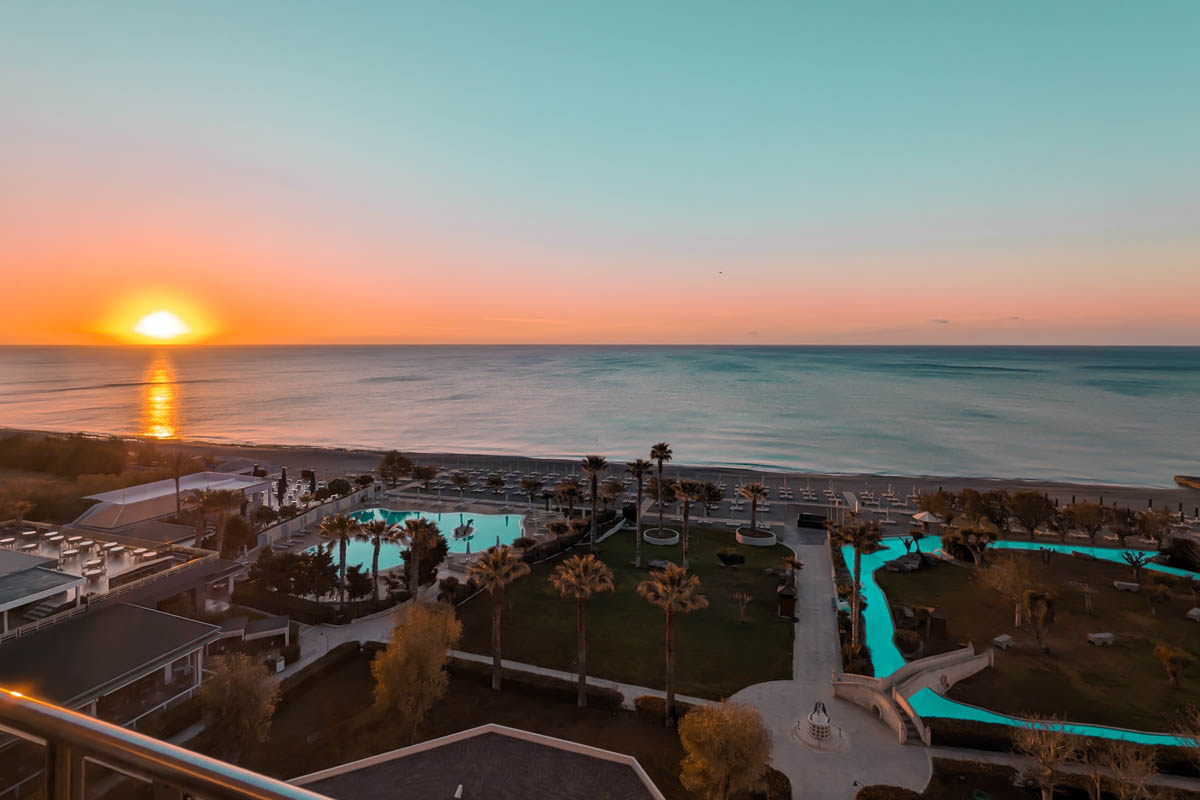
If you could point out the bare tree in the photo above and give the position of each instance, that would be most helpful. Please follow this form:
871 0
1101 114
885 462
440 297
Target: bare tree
1010 576
1130 767
1049 747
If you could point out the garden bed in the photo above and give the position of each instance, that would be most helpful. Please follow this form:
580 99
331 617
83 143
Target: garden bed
758 537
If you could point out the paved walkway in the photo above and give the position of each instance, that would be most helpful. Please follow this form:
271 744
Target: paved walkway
871 753
1017 761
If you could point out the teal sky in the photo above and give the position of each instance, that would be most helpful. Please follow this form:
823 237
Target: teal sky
957 155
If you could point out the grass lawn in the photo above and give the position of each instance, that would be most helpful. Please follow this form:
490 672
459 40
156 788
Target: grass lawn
328 723
1123 685
716 655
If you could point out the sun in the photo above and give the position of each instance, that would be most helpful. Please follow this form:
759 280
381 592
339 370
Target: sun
162 325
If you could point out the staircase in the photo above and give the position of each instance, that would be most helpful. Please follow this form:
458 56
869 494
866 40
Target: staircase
41 610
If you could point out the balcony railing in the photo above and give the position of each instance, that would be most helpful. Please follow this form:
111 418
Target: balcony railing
71 739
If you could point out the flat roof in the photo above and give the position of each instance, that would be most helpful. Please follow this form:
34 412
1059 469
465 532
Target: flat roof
197 481
97 651
13 561
18 588
492 762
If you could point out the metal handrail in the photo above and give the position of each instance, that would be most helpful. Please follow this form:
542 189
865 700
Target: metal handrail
70 737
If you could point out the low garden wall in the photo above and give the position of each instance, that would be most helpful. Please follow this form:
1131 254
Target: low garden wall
756 539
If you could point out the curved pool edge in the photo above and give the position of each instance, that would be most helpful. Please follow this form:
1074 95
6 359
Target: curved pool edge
879 631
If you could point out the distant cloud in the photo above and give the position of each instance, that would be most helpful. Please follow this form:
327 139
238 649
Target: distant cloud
940 321
527 320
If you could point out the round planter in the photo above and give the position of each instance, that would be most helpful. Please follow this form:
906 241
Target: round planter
661 536
760 537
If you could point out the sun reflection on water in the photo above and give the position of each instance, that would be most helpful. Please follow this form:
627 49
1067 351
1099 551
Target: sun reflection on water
160 404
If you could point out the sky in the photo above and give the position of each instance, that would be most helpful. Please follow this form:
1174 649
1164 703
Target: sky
618 172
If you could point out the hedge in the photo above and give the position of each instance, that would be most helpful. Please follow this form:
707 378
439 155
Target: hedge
327 663
308 611
545 686
881 791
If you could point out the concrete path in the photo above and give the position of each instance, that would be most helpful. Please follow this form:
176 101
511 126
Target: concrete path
871 753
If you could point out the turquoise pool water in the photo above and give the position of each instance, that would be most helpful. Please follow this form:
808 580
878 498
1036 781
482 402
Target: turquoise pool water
879 630
490 529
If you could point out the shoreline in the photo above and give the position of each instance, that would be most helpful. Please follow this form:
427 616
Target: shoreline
336 461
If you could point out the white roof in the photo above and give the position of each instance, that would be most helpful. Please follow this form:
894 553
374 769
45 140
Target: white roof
197 481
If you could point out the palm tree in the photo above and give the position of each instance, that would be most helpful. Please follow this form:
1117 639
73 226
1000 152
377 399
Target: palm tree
755 493
421 536
578 578
593 466
611 491
688 491
863 537
568 491
203 502
461 480
375 532
558 527
660 452
340 528
676 592
494 570
638 470
178 464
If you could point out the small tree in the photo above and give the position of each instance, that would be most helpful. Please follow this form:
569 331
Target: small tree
495 482
1122 768
237 703
393 467
1158 594
1010 576
340 487
974 542
1087 517
1030 509
1173 661
358 582
410 675
1187 731
1039 613
460 481
742 599
1050 747
425 473
1136 559
531 486
727 751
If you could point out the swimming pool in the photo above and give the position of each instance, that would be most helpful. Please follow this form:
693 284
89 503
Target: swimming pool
490 529
878 631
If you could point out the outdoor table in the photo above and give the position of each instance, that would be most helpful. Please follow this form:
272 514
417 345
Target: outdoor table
96 562
74 539
8 541
29 546
69 554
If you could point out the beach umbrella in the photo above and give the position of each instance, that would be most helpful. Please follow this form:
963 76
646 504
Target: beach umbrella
926 517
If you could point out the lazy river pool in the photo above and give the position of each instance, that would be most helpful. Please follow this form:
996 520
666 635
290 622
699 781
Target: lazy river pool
878 631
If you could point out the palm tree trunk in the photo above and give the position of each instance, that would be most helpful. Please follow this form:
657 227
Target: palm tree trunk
582 631
685 535
670 703
496 600
637 546
660 508
753 516
1047 793
593 542
178 508
342 569
375 568
415 581
854 632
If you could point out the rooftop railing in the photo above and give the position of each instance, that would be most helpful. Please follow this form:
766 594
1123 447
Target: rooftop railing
71 740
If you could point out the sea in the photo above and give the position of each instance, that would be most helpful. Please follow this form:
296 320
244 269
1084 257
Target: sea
1127 415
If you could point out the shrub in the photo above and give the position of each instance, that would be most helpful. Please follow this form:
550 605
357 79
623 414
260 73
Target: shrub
1182 553
857 660
166 722
908 641
844 590
541 687
523 542
730 557
654 709
779 786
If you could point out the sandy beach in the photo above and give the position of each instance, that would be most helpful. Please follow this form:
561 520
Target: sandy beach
333 462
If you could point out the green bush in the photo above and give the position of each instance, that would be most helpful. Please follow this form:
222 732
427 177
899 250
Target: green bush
779 787
307 611
881 791
730 557
652 708
908 641
857 660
